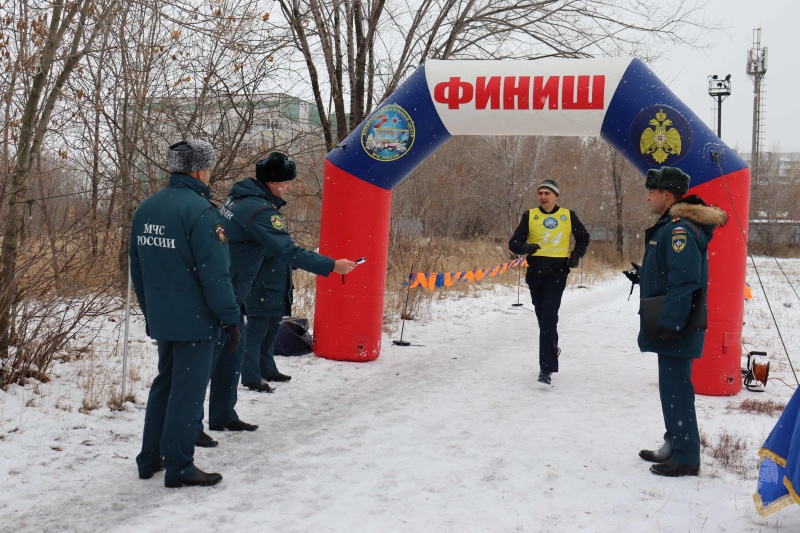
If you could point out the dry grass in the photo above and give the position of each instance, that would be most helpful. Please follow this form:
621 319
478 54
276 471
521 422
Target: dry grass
59 286
98 374
407 253
67 266
732 452
767 407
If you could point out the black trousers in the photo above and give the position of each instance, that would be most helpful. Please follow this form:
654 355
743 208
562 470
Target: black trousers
677 405
169 422
546 292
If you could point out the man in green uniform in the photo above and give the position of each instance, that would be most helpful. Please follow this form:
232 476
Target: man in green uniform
257 234
269 301
675 266
180 270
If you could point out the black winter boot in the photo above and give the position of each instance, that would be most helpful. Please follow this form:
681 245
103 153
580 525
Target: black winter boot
261 386
150 473
239 425
198 479
673 468
657 456
204 440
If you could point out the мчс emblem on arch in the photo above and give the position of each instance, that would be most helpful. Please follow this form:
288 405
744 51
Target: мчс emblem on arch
661 134
388 134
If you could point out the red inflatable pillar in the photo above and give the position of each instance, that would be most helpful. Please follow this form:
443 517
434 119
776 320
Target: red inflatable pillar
352 306
718 372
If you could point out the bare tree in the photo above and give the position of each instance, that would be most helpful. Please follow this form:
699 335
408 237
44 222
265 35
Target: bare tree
57 46
773 226
512 167
362 49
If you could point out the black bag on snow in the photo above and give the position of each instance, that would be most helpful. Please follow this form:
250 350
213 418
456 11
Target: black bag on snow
293 337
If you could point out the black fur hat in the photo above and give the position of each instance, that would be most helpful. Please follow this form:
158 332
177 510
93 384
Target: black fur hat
275 167
668 179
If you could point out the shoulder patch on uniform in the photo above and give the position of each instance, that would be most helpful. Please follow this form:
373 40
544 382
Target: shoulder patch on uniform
679 229
277 223
678 242
219 229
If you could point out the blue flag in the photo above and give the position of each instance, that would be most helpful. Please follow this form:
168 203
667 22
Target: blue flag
780 467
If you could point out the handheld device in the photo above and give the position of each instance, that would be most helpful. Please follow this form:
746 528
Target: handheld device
361 261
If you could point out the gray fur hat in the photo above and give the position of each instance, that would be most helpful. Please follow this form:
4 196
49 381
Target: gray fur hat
190 156
668 179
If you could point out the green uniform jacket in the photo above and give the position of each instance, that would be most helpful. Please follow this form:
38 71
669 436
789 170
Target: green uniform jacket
272 291
675 264
180 265
258 240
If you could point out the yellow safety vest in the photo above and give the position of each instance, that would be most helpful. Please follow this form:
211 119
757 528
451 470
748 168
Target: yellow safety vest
550 231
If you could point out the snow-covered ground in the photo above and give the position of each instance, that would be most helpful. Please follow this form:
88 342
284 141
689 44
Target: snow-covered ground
450 434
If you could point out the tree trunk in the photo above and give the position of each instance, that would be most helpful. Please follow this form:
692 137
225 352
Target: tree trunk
617 165
33 126
48 224
28 127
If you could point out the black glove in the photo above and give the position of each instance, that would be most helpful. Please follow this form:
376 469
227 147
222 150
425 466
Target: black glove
667 334
573 261
633 273
530 249
234 336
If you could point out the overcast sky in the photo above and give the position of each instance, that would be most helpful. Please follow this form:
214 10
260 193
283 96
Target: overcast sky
686 71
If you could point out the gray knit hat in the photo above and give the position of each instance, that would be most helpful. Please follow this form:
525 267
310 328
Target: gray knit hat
549 184
191 155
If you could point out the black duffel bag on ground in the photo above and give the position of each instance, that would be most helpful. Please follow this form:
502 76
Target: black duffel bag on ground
293 337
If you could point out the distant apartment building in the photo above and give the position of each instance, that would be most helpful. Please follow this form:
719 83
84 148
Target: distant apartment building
788 164
262 121
771 226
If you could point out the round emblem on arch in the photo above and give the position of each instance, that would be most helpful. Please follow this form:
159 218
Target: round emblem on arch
660 135
388 134
550 223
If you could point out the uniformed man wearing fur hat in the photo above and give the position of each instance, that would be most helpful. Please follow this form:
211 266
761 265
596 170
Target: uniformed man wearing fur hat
257 234
180 270
675 266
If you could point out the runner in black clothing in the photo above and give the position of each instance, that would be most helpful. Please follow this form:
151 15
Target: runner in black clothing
543 235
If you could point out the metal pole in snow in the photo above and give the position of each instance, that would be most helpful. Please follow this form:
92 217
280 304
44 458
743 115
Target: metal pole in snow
127 323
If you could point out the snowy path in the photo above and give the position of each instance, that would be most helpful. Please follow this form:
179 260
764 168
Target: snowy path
453 435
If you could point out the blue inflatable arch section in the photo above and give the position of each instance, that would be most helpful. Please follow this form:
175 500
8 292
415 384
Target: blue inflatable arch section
618 99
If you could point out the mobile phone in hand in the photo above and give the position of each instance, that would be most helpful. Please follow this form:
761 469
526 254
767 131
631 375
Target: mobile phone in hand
361 261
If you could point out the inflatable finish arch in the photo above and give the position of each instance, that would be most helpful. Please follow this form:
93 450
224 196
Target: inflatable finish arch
618 99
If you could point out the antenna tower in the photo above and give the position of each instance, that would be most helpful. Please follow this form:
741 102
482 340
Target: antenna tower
757 70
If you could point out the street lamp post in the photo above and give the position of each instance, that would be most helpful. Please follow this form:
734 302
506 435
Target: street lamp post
719 90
